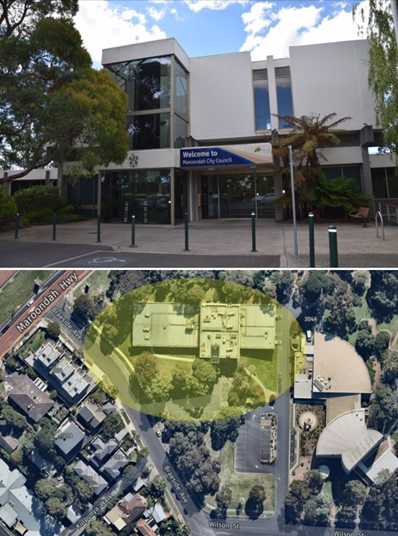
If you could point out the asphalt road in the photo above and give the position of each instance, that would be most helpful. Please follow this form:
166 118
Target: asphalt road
29 254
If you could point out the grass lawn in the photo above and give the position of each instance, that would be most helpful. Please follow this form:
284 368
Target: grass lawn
266 370
98 281
18 291
34 344
327 490
241 483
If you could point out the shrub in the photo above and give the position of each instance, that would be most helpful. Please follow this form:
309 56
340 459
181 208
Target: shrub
38 198
8 208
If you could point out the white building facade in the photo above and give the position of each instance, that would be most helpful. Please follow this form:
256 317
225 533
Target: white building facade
200 129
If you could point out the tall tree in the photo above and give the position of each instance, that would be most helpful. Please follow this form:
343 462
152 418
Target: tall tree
18 17
63 107
378 26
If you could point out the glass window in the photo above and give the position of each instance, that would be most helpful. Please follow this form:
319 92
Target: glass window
143 193
283 93
181 91
181 131
392 181
149 131
146 82
261 100
379 184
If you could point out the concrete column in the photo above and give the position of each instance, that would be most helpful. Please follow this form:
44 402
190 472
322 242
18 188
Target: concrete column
366 172
172 198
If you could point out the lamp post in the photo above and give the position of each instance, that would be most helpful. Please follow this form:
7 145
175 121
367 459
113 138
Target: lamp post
293 202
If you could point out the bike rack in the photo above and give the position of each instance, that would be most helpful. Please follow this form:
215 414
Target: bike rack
379 214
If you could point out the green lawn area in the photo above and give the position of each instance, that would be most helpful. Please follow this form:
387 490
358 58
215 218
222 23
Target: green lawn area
19 290
266 370
98 281
240 483
34 344
327 490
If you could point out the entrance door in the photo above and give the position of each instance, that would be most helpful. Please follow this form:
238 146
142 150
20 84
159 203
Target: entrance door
237 196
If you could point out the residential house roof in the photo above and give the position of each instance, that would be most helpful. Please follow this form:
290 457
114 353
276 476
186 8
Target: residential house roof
102 450
28 397
115 464
18 506
90 475
144 529
69 437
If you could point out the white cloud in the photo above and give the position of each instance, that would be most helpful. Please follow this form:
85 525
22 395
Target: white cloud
104 26
256 19
198 5
296 26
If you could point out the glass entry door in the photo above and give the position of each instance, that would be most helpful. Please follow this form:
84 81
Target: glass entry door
237 196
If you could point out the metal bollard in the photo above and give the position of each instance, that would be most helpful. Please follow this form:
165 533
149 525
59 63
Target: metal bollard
186 231
98 227
253 215
334 263
132 245
54 226
311 239
16 225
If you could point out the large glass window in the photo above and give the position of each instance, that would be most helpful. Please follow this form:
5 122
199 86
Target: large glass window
181 90
146 82
385 183
143 193
149 131
261 100
283 93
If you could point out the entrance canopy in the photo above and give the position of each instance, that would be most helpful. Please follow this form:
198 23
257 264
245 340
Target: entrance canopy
254 154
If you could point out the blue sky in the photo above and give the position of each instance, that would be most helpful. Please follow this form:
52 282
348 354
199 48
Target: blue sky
204 27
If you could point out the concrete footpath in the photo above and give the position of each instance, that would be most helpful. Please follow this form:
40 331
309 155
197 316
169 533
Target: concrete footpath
213 244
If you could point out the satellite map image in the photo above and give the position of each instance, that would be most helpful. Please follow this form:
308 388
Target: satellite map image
203 402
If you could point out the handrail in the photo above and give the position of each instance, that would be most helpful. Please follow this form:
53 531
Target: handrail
378 213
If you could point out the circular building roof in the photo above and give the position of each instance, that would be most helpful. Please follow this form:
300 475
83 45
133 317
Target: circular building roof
338 368
347 436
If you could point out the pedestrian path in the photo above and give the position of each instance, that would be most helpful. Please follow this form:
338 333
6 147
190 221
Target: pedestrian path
358 246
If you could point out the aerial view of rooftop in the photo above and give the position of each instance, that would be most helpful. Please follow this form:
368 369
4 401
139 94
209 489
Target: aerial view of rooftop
198 402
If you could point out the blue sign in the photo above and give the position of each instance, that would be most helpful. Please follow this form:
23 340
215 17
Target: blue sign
211 157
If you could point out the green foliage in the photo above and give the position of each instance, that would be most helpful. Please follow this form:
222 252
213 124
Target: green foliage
112 425
38 198
383 60
98 528
8 207
53 330
310 134
55 507
63 108
339 192
365 344
17 18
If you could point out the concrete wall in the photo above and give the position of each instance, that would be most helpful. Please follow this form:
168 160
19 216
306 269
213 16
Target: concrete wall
149 49
333 77
221 97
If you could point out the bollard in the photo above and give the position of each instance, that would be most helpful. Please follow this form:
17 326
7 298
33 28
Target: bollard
132 245
186 231
253 232
311 238
333 246
98 227
16 225
54 226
